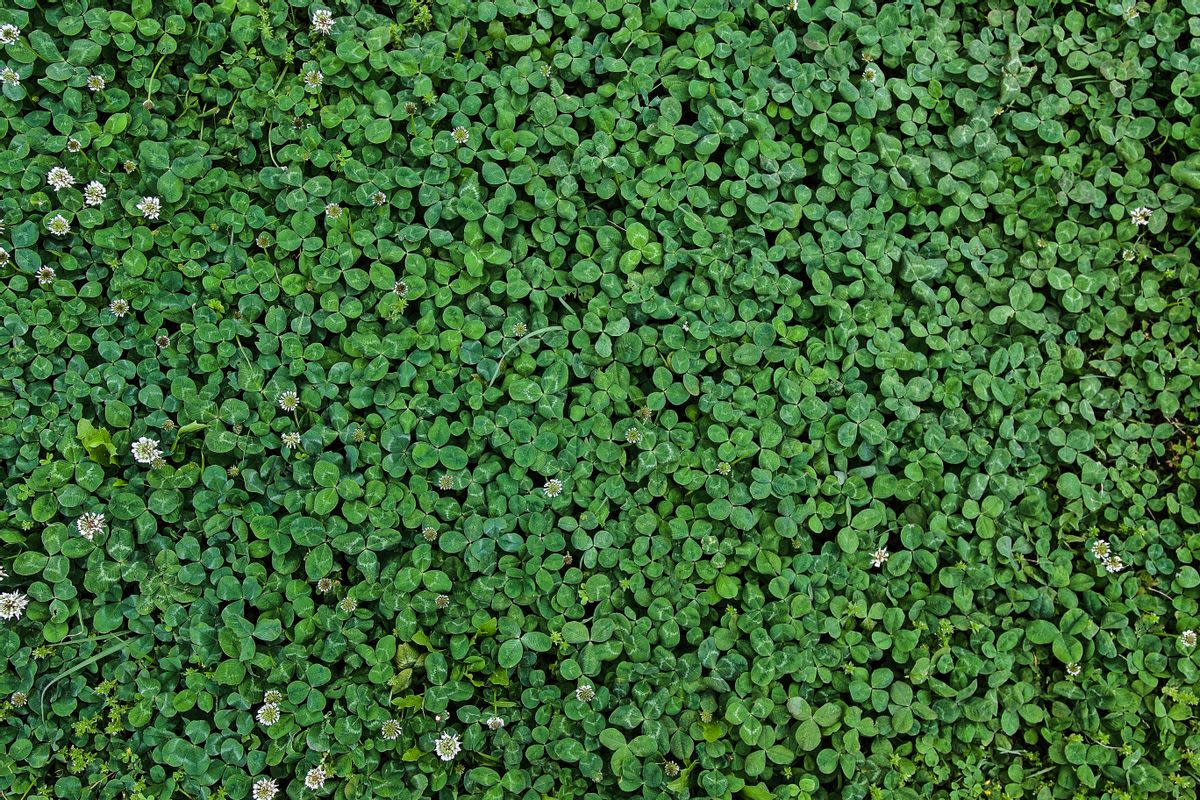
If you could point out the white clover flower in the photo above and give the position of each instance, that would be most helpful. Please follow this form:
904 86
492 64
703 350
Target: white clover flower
59 178
446 482
724 467
1114 564
447 746
553 487
74 145
4 257
145 450
585 693
291 440
793 5
59 226
95 83
150 207
1140 216
545 70
880 557
315 778
390 730
1188 638
90 525
289 401
633 436
429 533
272 696
333 211
313 79
269 714
3 573
1128 255
1100 549
442 601
520 329
322 21
400 288
1074 669
129 166
9 33
264 789
18 699
461 135
119 307
9 77
12 605
348 605
163 341
325 585
871 74
45 276
379 198
494 723
94 193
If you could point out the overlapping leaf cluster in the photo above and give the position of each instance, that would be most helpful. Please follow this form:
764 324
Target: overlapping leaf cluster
704 399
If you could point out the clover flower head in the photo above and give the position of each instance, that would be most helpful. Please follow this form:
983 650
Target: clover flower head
429 533
150 207
447 746
1074 669
94 193
633 436
58 225
585 693
90 525
880 557
129 166
45 276
1188 638
163 341
9 33
264 789
291 440
119 307
12 605
1114 564
546 69
724 468
269 714
3 573
9 77
390 730
461 135
400 288
378 198
1100 549
322 21
96 83
145 450
325 585
4 257
494 723
793 5
59 178
553 487
18 699
871 73
289 400
520 329
315 778
333 211
348 605
671 769
272 696
1140 216
446 482
313 79
74 145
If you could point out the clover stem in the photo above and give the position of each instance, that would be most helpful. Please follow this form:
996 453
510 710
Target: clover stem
150 83
516 344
